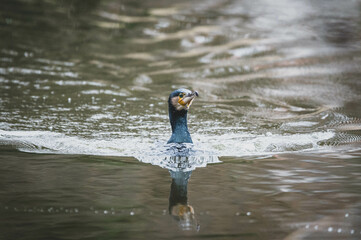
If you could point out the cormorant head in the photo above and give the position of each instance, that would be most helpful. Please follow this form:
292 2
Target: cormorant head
181 99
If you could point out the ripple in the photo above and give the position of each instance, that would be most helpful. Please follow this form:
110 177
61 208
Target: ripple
121 93
79 83
28 71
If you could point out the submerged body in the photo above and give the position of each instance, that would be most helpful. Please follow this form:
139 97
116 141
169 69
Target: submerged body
178 104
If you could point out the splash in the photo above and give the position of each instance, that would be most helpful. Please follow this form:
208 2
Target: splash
230 145
179 157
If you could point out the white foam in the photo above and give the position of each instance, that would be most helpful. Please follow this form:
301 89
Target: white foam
178 163
207 148
235 144
245 144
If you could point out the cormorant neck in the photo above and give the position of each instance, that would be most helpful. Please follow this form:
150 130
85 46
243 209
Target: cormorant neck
178 121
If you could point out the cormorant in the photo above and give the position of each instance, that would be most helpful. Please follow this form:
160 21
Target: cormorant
178 104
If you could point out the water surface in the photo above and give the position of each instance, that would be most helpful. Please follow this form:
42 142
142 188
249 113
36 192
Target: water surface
276 129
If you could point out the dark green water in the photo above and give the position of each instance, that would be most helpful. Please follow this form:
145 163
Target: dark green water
83 120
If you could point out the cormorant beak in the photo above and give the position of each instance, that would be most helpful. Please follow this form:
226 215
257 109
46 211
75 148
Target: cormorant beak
187 100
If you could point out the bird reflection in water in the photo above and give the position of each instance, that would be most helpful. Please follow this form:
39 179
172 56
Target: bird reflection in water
178 201
180 169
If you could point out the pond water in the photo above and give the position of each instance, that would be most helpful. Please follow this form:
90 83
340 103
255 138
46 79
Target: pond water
84 122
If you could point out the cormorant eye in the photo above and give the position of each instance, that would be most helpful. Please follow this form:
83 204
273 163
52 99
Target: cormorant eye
181 95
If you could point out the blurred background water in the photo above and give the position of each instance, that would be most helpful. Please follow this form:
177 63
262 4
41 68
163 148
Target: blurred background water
85 83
